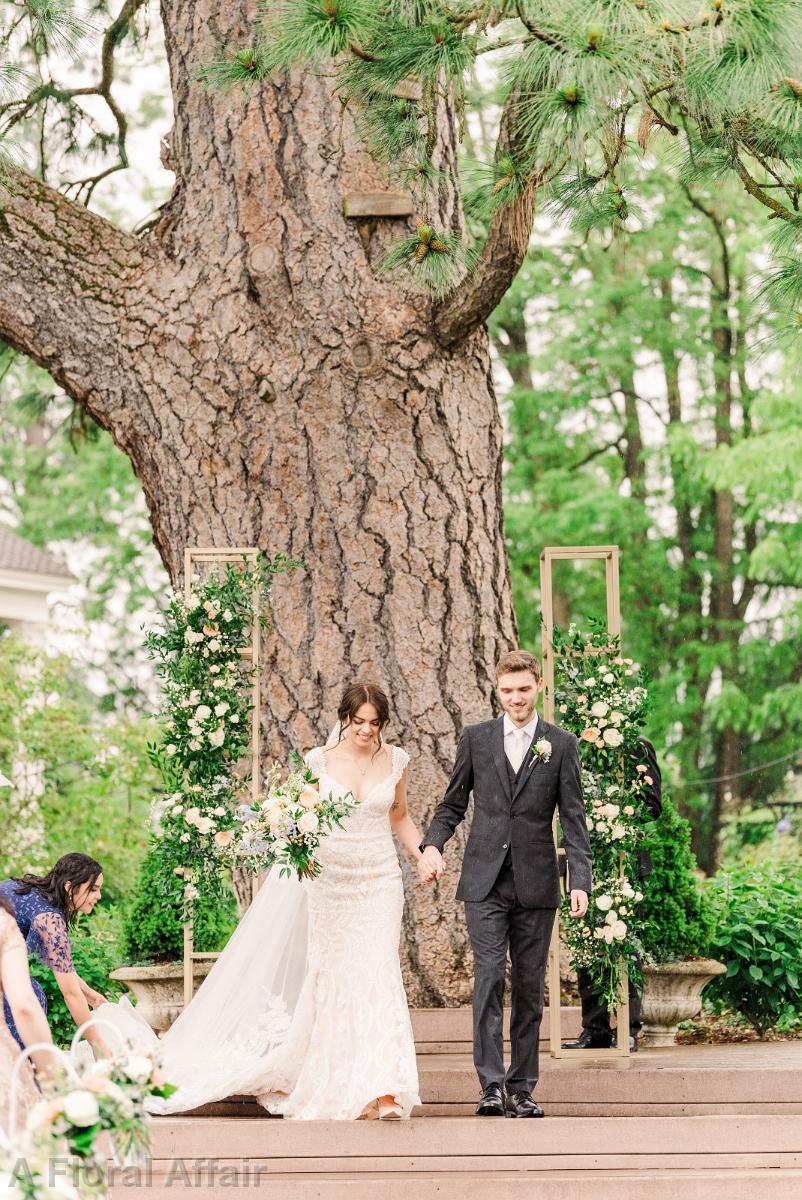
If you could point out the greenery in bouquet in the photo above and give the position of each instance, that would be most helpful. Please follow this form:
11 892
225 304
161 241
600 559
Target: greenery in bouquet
201 655
600 696
285 828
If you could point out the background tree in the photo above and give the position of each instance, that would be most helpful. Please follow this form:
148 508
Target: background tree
653 417
271 387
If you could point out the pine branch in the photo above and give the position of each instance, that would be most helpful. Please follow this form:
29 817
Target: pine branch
754 189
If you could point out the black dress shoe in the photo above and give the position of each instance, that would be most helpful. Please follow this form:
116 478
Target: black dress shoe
591 1039
492 1102
633 1042
521 1104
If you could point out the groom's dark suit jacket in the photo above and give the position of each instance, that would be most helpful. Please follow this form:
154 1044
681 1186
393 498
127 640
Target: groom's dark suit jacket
514 815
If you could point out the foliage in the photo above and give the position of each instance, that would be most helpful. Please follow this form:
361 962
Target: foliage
585 90
601 698
71 492
676 914
651 419
207 703
152 931
82 778
96 952
285 828
758 933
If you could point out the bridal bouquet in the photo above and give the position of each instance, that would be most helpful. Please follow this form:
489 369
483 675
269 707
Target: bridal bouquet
287 825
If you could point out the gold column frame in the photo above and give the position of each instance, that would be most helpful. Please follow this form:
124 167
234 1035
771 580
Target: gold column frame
192 558
609 555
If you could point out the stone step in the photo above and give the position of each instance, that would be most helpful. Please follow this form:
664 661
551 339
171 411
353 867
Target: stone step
754 1078
450 1030
665 1184
626 1158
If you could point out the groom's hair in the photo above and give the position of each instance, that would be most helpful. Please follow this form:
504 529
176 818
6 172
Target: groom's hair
517 660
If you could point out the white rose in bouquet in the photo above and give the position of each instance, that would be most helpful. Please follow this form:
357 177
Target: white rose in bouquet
191 815
80 1108
308 823
612 736
204 824
619 931
138 1068
611 810
223 837
604 902
309 798
600 709
217 737
202 712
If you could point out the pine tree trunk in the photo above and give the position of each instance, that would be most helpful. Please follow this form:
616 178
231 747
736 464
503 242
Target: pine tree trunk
271 390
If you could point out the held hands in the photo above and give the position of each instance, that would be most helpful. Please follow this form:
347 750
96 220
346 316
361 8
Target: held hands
430 865
579 903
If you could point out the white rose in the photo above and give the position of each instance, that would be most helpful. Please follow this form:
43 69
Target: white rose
604 902
600 708
214 644
589 823
589 683
171 750
194 745
629 811
184 837
607 934
599 933
613 736
228 615
628 891
219 811
609 677
223 837
309 798
217 736
234 719
308 823
194 696
138 1068
611 917
202 712
619 832
611 810
177 809
563 708
616 717
623 910
204 824
215 670
191 815
80 1108
221 708
619 930
638 897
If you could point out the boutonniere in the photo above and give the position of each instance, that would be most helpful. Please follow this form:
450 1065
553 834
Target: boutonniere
541 750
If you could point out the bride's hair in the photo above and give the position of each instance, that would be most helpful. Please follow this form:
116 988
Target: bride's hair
354 696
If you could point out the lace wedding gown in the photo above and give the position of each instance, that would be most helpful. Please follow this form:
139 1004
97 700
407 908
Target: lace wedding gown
305 1008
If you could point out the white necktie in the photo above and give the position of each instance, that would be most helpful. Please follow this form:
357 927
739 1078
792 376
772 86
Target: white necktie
517 750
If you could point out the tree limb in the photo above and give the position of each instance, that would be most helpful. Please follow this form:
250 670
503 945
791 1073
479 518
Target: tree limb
63 273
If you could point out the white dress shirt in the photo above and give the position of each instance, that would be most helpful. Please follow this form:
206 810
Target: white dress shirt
510 731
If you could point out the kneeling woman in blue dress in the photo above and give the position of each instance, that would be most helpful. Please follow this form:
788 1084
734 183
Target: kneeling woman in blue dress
44 907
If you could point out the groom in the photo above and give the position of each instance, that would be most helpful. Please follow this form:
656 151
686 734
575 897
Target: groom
520 769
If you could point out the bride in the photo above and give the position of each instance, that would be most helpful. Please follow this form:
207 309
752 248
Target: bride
305 1008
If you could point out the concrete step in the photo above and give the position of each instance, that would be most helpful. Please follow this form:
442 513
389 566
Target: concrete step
450 1030
748 1079
630 1158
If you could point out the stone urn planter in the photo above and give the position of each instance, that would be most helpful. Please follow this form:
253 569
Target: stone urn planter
673 993
159 989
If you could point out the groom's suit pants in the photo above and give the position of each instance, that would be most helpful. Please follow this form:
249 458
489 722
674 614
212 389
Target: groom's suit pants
495 925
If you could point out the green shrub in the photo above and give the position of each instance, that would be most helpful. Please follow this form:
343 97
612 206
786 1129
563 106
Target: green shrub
153 931
95 951
758 934
678 921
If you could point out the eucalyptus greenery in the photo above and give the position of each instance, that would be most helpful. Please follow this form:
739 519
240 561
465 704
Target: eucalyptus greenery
586 89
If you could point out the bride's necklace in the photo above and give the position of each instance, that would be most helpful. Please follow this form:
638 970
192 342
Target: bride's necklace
355 761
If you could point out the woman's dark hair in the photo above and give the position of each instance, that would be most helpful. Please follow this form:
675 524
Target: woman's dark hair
357 694
74 869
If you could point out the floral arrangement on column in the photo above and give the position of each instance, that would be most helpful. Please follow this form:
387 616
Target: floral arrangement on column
201 654
600 696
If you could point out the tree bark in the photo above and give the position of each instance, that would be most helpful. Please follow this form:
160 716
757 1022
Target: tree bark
270 390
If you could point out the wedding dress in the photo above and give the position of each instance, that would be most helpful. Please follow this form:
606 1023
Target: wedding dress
305 1008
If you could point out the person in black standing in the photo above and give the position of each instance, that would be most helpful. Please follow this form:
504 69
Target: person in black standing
520 769
596 1032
